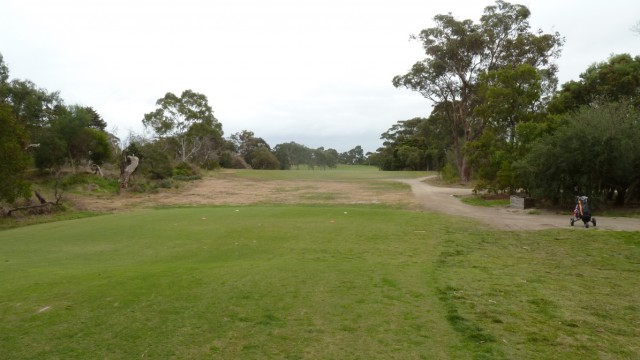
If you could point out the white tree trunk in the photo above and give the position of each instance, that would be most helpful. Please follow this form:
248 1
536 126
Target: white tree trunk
127 171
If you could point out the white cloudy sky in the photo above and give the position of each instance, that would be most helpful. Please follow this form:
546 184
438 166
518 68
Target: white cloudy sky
317 72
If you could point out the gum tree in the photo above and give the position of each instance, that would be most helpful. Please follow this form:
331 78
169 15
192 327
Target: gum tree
459 53
187 120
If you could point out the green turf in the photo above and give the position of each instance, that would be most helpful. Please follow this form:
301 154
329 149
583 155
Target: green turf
341 173
309 282
479 201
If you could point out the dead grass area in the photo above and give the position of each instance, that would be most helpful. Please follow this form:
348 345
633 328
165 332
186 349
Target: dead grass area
237 191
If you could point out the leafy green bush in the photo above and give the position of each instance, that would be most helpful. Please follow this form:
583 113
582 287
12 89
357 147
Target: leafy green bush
154 161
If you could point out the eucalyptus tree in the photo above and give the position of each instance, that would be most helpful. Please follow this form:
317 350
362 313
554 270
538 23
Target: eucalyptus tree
459 53
188 120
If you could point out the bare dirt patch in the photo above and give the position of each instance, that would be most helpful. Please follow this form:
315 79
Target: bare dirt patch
238 191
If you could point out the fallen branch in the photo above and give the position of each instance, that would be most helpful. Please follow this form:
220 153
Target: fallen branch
47 204
43 202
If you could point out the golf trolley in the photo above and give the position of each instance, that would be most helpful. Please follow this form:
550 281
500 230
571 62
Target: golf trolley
582 212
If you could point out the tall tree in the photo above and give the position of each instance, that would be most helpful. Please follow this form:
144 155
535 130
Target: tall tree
176 116
460 52
508 98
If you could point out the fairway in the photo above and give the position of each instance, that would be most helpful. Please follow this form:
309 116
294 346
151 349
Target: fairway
309 282
248 282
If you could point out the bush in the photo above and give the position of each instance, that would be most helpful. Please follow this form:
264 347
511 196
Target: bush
210 164
185 169
165 183
154 162
449 173
596 154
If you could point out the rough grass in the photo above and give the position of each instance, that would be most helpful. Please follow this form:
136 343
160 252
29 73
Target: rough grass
544 295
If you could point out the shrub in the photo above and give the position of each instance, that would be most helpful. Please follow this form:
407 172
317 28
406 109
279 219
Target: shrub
185 169
165 183
449 173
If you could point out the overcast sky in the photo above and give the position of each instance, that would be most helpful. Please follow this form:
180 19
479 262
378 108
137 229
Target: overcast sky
317 72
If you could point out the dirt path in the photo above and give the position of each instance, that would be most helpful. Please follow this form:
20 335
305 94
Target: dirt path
442 199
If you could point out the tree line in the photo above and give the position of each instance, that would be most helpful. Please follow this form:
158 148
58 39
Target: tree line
38 130
499 119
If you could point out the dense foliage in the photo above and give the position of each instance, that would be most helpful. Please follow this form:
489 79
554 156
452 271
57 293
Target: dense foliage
596 154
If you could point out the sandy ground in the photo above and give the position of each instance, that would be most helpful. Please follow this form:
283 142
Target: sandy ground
221 191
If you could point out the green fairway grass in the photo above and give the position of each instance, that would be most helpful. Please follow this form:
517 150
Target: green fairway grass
341 173
314 282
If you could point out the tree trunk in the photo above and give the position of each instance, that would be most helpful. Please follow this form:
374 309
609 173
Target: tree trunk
125 174
622 193
465 171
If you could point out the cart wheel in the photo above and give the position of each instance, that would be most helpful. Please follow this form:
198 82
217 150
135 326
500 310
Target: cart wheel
572 221
593 220
586 225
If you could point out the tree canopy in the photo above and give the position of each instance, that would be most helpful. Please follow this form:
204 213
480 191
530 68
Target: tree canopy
615 80
188 120
462 55
596 154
